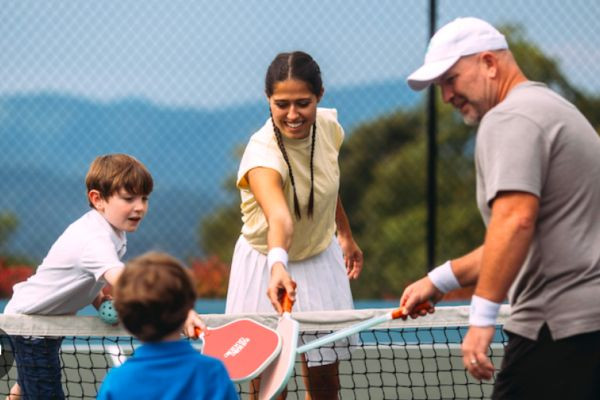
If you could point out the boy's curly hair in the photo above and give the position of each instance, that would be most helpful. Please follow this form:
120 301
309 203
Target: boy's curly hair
153 296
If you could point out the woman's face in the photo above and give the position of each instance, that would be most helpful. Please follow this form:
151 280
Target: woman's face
294 108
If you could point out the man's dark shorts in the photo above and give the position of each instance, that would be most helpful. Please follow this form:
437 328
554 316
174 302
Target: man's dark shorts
547 369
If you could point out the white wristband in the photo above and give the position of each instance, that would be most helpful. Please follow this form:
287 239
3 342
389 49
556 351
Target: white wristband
483 312
443 278
275 255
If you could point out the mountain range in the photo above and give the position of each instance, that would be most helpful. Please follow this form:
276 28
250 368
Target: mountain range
49 139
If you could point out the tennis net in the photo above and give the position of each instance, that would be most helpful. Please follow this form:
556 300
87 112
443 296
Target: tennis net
412 359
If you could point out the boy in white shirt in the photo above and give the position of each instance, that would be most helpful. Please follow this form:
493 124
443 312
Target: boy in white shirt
85 258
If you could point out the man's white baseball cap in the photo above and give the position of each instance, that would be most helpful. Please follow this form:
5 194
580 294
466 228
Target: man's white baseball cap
459 38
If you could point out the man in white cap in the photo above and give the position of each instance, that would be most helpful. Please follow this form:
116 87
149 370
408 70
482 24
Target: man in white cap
538 190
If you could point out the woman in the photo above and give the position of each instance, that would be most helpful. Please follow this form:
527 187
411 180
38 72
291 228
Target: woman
289 183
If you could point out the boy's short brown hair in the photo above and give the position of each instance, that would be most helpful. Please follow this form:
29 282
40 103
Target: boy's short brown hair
153 296
112 172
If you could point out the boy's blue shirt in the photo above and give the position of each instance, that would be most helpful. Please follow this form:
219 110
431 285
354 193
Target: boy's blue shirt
168 370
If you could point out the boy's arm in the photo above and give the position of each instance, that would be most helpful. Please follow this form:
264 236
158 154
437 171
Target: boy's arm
110 276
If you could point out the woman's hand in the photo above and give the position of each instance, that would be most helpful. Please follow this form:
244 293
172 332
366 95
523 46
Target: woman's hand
353 256
280 282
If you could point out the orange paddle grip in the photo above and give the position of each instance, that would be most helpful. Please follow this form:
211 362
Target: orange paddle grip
198 332
287 303
400 312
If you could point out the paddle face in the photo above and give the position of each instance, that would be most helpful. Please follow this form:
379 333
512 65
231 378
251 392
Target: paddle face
244 346
275 377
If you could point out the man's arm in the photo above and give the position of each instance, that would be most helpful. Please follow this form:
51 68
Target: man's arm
492 266
508 238
462 271
466 268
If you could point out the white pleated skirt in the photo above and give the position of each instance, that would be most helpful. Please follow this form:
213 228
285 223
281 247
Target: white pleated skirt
322 285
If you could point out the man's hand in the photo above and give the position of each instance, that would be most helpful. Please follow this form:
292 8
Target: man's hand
417 293
474 348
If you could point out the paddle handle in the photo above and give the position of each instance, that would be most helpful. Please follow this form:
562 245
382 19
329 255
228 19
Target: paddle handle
287 303
200 333
400 312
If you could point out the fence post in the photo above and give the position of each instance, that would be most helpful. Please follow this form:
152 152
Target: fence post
431 157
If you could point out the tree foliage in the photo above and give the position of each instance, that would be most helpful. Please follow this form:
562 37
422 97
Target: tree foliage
211 276
383 185
8 225
540 67
219 232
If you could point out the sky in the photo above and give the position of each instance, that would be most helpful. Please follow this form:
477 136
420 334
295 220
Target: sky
214 53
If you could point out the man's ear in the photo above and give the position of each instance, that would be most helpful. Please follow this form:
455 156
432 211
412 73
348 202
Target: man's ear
490 61
96 199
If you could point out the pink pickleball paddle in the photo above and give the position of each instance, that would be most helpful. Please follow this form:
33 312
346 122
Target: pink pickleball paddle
246 347
275 377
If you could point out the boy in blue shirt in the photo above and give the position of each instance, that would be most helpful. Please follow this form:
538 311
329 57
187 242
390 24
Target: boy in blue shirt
85 258
153 297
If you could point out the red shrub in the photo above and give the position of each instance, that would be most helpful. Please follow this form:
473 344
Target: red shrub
211 276
10 275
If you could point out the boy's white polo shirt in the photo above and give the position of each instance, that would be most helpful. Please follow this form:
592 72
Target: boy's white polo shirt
71 275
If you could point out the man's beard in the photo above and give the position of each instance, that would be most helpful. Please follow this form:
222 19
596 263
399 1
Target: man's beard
471 120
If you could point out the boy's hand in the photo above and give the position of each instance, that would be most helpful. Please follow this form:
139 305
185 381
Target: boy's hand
192 323
101 298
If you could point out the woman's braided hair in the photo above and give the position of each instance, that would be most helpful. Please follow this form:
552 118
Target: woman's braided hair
299 66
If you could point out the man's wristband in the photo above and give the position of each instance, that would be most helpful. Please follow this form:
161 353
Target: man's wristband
443 278
483 312
275 255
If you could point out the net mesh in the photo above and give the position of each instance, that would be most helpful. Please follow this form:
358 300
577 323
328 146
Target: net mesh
413 359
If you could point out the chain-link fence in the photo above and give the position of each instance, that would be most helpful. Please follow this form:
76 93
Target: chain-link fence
179 85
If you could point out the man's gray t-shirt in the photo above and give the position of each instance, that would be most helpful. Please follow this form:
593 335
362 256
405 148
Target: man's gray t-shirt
537 142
